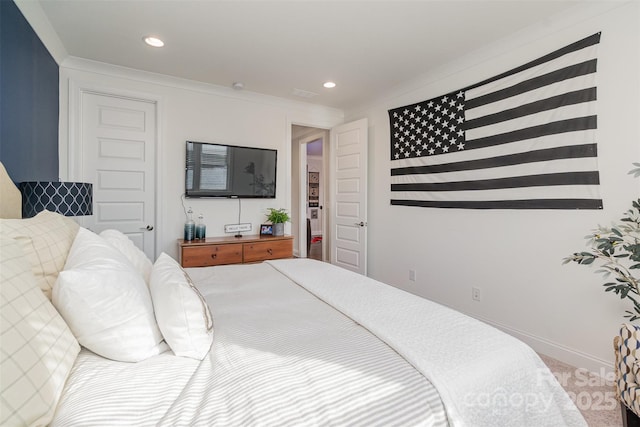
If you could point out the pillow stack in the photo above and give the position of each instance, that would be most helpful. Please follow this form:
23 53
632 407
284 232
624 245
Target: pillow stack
121 306
104 289
106 302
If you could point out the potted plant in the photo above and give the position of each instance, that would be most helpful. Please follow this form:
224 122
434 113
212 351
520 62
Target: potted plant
617 251
278 217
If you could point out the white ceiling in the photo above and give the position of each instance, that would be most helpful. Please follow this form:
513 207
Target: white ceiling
274 47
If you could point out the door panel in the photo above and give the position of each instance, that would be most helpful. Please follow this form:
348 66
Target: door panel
349 196
118 156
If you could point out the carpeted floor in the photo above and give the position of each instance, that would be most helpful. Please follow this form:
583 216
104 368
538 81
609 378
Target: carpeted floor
594 396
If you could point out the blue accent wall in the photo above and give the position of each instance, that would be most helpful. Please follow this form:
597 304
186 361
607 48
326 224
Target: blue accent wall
29 96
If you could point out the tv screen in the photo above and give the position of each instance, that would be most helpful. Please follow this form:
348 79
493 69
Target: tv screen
217 170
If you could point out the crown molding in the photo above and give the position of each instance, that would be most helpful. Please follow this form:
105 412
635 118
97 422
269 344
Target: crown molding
35 16
96 67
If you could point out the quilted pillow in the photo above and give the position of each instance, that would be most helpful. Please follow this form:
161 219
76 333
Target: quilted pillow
106 302
121 242
38 349
45 240
182 313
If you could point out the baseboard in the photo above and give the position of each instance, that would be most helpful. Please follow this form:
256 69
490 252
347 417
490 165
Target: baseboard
558 351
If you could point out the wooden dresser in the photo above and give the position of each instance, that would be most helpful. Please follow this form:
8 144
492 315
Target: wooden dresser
234 250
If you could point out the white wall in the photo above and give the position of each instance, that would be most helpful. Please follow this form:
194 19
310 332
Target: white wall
515 257
193 111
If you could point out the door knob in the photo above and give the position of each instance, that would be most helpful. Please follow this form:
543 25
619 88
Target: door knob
361 224
148 228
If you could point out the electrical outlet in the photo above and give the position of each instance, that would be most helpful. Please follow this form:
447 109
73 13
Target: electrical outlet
475 294
412 275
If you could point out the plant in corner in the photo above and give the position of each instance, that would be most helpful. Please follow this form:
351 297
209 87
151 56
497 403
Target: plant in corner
278 217
617 251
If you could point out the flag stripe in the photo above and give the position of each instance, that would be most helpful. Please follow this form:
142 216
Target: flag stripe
571 125
505 204
540 143
525 193
569 178
561 114
570 98
566 73
523 169
550 154
558 88
566 51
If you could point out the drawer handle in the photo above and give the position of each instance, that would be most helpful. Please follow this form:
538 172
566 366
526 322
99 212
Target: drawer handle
270 251
214 256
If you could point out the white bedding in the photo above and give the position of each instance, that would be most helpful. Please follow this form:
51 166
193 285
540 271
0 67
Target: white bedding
279 357
103 392
484 377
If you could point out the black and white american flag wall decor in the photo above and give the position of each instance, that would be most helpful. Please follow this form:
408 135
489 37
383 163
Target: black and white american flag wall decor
522 140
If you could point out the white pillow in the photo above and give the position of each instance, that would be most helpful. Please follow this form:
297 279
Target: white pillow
106 302
45 240
182 313
121 242
38 349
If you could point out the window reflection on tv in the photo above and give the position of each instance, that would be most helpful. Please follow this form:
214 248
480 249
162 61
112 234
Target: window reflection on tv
218 170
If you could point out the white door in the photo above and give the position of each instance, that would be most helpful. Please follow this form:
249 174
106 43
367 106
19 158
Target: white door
349 196
118 138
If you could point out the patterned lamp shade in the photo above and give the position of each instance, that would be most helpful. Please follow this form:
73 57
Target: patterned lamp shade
66 198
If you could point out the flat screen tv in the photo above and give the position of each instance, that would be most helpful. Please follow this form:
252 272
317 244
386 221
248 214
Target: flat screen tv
218 170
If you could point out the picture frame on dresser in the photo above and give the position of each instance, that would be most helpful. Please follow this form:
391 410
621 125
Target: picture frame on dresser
266 230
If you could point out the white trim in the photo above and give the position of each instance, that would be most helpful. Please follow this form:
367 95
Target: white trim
557 351
101 68
320 122
37 19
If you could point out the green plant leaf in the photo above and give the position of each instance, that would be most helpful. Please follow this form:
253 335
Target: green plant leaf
616 250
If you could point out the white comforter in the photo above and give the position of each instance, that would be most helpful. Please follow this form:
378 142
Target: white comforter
484 376
280 357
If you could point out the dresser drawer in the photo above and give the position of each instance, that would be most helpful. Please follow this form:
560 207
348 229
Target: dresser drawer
260 251
207 255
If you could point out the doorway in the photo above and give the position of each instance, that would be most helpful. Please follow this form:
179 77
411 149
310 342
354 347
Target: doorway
309 214
343 206
315 199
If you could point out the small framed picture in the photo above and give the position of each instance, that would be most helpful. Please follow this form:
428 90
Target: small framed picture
266 230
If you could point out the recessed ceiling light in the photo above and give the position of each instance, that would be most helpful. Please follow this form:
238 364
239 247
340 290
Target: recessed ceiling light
153 41
329 85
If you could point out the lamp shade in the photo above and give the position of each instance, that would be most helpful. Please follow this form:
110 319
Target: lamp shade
66 198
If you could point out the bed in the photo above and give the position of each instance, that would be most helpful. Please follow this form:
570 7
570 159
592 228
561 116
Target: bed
280 343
